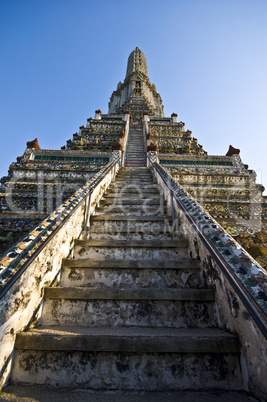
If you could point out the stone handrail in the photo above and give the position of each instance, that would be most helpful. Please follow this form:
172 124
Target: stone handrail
35 261
247 277
124 141
145 131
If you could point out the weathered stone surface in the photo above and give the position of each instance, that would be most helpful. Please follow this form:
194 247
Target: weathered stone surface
132 249
128 339
87 293
135 218
98 263
120 312
45 394
132 253
95 370
131 278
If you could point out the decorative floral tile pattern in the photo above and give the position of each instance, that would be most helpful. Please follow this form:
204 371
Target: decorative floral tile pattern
249 273
14 259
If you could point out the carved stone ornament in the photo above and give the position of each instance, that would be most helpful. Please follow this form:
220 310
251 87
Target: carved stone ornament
33 144
232 151
117 147
152 147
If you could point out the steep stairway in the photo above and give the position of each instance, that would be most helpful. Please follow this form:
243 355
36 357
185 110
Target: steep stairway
129 312
135 148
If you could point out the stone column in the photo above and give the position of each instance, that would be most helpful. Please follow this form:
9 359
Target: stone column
98 114
174 118
126 115
146 116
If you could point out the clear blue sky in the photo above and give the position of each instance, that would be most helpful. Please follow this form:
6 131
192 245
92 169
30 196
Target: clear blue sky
60 60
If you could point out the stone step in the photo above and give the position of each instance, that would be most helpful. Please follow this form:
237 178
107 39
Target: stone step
131 209
124 236
128 172
131 231
126 264
133 155
128 203
134 161
133 184
78 394
97 274
141 359
139 153
147 294
131 161
138 150
135 208
147 186
134 170
132 244
135 179
142 183
134 227
135 218
131 164
128 191
133 173
138 157
131 249
125 194
133 192
135 149
128 339
132 199
143 307
123 201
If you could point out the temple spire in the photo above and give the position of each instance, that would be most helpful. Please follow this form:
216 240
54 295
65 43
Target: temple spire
136 62
136 94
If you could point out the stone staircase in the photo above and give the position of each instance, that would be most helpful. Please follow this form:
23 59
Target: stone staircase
129 312
135 149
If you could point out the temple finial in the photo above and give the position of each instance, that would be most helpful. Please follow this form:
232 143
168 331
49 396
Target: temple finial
136 62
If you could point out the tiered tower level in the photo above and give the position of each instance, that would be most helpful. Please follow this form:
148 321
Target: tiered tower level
41 179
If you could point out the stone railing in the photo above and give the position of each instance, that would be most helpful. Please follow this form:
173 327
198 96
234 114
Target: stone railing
124 141
145 132
240 282
35 261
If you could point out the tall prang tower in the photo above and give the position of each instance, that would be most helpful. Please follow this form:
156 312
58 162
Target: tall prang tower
136 93
41 179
